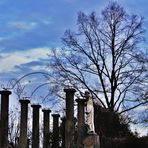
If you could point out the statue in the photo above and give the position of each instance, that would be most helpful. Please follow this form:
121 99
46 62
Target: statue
89 109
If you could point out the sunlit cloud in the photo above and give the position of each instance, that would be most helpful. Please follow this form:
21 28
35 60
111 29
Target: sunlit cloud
9 61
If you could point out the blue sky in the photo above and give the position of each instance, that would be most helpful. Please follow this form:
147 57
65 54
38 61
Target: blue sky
36 26
30 28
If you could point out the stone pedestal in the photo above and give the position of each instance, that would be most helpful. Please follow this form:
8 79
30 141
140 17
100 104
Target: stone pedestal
92 141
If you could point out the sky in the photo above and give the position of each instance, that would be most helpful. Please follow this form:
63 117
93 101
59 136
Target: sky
30 28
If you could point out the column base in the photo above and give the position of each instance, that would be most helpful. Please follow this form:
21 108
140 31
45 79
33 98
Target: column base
92 141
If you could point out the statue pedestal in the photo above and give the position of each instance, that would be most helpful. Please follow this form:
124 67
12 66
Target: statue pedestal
92 141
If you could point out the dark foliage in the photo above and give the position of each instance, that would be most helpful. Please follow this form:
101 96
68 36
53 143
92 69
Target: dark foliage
109 124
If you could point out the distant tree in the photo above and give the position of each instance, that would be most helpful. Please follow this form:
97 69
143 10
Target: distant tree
143 116
14 128
103 56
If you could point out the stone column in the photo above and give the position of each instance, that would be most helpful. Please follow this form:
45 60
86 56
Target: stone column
55 142
81 122
69 125
23 123
46 127
4 118
35 126
63 131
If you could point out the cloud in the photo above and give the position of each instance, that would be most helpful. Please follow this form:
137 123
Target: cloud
140 108
38 65
10 61
22 25
36 68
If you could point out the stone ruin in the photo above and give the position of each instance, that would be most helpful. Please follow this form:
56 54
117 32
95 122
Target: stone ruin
73 135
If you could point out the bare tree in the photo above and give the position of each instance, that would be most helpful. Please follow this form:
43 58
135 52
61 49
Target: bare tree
103 56
13 130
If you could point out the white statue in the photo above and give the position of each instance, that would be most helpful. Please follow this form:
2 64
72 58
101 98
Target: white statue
89 113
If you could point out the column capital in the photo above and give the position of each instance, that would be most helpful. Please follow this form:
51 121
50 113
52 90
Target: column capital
69 90
36 106
46 110
56 115
26 101
5 92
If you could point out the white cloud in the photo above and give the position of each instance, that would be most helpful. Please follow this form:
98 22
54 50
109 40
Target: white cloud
8 61
140 108
23 25
36 68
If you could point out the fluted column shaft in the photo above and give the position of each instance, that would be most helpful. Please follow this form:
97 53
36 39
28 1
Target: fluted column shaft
35 124
46 127
69 124
23 124
4 118
81 122
55 142
63 131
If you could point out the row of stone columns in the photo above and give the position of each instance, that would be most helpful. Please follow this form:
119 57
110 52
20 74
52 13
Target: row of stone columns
35 127
23 141
67 125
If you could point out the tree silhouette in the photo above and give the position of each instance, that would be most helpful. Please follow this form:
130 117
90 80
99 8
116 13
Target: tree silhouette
103 56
